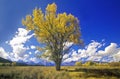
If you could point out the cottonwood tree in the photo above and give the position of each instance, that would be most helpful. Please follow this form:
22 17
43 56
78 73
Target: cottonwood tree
54 30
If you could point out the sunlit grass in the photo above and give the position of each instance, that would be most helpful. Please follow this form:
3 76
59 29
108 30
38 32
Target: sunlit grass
67 72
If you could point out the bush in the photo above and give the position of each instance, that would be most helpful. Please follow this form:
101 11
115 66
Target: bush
14 64
5 64
114 64
78 64
89 63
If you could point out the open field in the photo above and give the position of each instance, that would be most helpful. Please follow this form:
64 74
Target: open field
67 72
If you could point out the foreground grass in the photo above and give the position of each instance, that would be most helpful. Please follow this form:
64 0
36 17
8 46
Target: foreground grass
67 72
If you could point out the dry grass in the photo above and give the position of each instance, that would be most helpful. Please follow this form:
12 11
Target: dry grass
67 72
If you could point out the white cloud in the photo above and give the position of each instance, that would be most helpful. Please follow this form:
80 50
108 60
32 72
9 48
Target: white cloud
94 58
17 44
91 52
34 59
20 50
32 47
112 51
36 52
20 38
109 50
3 53
74 53
67 45
65 56
92 48
116 57
26 56
30 53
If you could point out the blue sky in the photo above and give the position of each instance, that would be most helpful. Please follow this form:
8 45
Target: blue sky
99 19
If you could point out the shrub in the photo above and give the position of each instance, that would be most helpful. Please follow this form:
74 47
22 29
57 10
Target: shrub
14 64
89 63
114 64
78 64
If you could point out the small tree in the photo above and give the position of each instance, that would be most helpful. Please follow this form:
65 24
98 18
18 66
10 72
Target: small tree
13 63
78 64
89 63
53 30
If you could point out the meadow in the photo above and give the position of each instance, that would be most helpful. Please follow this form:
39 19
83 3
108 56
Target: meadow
67 72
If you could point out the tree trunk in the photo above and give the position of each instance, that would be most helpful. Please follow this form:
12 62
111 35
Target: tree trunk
58 64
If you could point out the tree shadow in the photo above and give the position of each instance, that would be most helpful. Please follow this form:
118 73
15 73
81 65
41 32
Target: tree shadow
98 72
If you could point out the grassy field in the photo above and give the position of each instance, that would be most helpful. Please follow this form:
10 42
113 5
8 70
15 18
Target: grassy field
67 72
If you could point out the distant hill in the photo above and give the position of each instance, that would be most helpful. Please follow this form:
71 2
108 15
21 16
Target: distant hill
2 60
21 63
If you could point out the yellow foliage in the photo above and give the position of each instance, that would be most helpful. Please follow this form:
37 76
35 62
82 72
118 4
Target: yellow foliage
50 23
51 8
53 29
78 64
28 22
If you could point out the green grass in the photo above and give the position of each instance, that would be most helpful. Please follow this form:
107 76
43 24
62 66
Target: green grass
67 72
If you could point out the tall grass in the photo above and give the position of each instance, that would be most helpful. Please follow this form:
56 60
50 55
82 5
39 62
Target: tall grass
67 72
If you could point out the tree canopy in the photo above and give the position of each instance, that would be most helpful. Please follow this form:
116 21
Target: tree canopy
54 30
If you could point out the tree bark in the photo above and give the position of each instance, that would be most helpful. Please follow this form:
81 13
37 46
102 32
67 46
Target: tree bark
58 64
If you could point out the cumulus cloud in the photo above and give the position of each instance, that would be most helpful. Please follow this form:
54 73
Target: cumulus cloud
109 50
94 58
20 51
18 44
91 52
20 38
3 53
116 57
67 45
